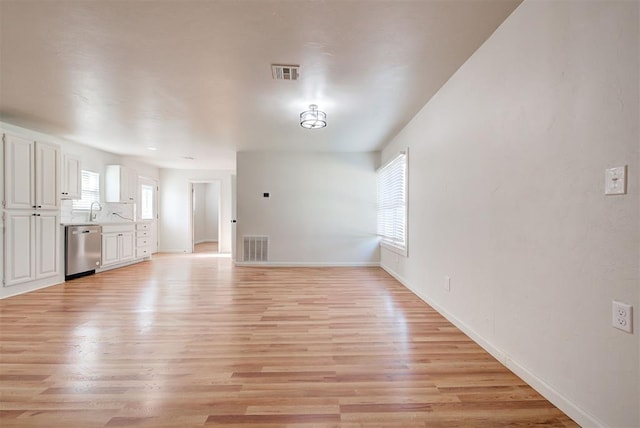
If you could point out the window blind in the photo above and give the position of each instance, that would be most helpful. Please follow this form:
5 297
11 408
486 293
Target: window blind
392 202
90 190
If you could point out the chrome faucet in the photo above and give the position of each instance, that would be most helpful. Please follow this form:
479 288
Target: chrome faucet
93 215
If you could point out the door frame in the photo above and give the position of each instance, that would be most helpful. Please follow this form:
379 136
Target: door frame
192 229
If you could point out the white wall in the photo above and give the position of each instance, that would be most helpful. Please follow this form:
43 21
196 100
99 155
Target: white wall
2 199
175 217
321 208
207 198
506 196
199 212
212 195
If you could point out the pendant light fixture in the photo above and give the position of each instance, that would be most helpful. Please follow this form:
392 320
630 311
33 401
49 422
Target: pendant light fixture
313 118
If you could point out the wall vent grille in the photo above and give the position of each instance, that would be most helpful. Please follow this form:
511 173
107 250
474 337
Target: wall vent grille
255 248
285 72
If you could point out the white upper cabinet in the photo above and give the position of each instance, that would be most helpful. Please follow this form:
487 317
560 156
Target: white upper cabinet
71 186
19 169
47 176
32 174
120 184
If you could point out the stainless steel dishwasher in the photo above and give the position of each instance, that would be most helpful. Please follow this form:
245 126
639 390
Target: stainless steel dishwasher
82 250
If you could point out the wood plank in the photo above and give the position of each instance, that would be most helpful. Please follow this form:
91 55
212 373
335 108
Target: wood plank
187 340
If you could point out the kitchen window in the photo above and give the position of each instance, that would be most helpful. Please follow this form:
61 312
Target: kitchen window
90 191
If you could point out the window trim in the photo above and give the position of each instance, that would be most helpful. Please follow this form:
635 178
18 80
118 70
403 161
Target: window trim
386 242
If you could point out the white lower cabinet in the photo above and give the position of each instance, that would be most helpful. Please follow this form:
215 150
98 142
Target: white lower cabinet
118 244
110 248
31 246
127 246
47 244
144 240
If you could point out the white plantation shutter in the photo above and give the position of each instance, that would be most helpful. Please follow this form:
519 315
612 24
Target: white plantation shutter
90 190
392 202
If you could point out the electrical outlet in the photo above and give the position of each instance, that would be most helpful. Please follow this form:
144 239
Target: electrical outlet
622 316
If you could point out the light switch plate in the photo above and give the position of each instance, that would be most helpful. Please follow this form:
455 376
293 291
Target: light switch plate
615 181
447 283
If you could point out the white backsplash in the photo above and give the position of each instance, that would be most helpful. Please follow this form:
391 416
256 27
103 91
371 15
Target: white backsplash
107 214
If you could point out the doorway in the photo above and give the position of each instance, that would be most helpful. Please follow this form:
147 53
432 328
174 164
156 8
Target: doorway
205 217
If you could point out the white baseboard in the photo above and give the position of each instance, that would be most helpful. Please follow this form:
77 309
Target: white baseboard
575 412
308 264
28 287
123 264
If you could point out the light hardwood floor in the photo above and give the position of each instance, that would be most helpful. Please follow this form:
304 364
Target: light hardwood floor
206 247
189 340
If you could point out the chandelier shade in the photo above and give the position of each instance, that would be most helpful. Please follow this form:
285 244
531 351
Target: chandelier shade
313 118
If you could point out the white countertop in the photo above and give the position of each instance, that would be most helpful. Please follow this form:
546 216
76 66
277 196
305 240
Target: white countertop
103 223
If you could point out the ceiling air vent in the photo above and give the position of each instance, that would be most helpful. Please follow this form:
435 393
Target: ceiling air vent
285 72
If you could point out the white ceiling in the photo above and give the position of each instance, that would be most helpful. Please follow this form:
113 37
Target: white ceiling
193 78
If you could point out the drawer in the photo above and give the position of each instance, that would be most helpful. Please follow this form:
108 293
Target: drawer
142 252
117 228
142 233
143 226
143 241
